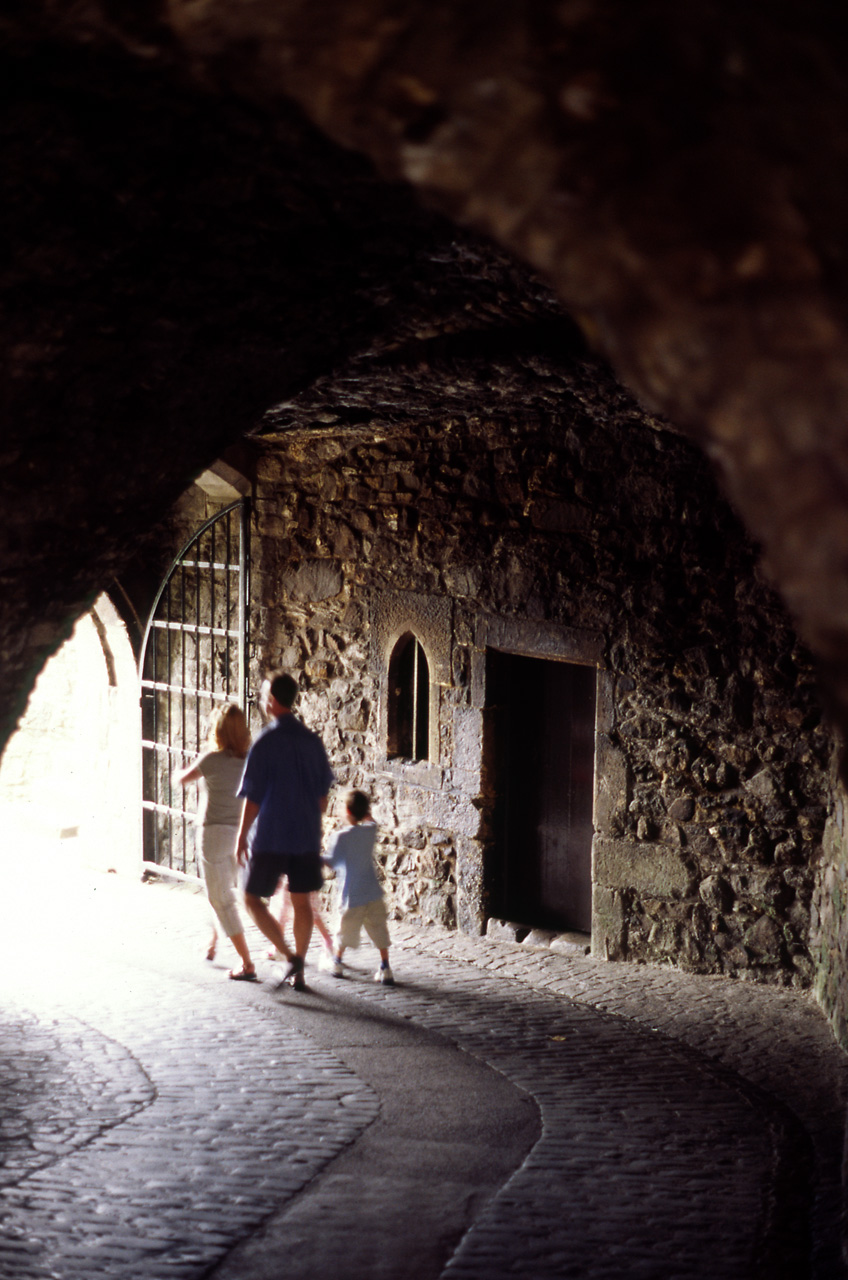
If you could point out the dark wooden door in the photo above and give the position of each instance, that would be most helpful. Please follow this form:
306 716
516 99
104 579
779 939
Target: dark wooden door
545 720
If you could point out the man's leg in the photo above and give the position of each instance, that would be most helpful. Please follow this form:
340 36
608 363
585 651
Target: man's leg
303 920
263 920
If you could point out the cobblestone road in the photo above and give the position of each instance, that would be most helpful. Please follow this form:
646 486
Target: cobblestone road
159 1121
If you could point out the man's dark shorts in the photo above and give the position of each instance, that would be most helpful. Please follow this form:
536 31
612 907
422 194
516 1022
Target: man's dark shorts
265 869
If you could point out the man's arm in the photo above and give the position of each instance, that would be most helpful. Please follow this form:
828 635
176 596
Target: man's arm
249 810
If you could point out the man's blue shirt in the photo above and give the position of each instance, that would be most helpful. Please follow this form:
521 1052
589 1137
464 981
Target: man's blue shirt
287 774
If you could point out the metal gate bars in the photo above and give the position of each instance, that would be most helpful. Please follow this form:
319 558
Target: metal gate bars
193 658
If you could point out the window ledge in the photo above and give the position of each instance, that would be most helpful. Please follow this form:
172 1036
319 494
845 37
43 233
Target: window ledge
421 772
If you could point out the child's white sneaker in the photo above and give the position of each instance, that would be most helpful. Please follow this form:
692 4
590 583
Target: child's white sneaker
332 964
385 975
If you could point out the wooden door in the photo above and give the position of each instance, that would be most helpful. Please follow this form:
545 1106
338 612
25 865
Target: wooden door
545 722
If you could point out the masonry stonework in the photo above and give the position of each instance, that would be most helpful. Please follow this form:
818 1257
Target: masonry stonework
711 758
829 926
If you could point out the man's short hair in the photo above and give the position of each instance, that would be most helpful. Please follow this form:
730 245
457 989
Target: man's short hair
283 687
358 805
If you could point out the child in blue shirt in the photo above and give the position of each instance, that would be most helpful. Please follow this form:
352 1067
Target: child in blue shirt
350 853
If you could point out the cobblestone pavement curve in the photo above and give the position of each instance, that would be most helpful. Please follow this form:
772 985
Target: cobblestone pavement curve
158 1121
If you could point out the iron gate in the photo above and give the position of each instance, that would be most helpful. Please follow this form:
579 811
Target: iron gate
193 658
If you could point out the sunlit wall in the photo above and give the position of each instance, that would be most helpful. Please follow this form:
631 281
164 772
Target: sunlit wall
70 775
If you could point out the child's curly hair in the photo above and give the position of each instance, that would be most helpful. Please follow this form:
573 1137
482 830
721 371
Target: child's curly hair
358 805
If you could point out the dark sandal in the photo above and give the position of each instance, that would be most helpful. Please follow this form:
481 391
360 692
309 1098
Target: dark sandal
294 974
243 975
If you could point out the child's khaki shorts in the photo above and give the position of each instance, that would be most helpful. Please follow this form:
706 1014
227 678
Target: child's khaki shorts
372 918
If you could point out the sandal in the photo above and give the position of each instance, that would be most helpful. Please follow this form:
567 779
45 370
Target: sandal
294 974
243 975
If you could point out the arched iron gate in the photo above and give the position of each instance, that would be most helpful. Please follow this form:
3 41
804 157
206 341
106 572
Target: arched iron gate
193 657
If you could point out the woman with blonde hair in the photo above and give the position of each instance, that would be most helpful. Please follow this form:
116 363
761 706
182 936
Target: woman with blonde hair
219 772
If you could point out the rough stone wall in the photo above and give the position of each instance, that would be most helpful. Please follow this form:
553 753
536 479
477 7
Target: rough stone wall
829 931
715 760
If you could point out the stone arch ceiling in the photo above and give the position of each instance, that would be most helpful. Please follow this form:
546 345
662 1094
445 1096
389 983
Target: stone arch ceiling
218 210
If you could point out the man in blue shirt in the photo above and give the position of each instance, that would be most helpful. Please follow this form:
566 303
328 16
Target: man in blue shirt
285 784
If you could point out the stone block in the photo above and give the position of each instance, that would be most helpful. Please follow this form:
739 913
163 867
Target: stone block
451 812
464 580
468 740
805 969
437 907
539 639
764 940
682 809
539 938
506 930
571 944
317 669
716 893
700 841
612 783
344 542
470 907
606 704
558 517
354 717
651 869
313 580
764 786
470 916
608 924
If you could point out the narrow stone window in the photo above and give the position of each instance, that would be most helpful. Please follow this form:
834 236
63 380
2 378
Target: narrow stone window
409 700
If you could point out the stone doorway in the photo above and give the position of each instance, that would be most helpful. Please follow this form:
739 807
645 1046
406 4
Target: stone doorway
544 757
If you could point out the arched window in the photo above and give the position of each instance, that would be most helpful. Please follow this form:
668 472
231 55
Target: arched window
409 700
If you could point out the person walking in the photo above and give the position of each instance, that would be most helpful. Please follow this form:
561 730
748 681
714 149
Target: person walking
218 771
285 785
350 853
